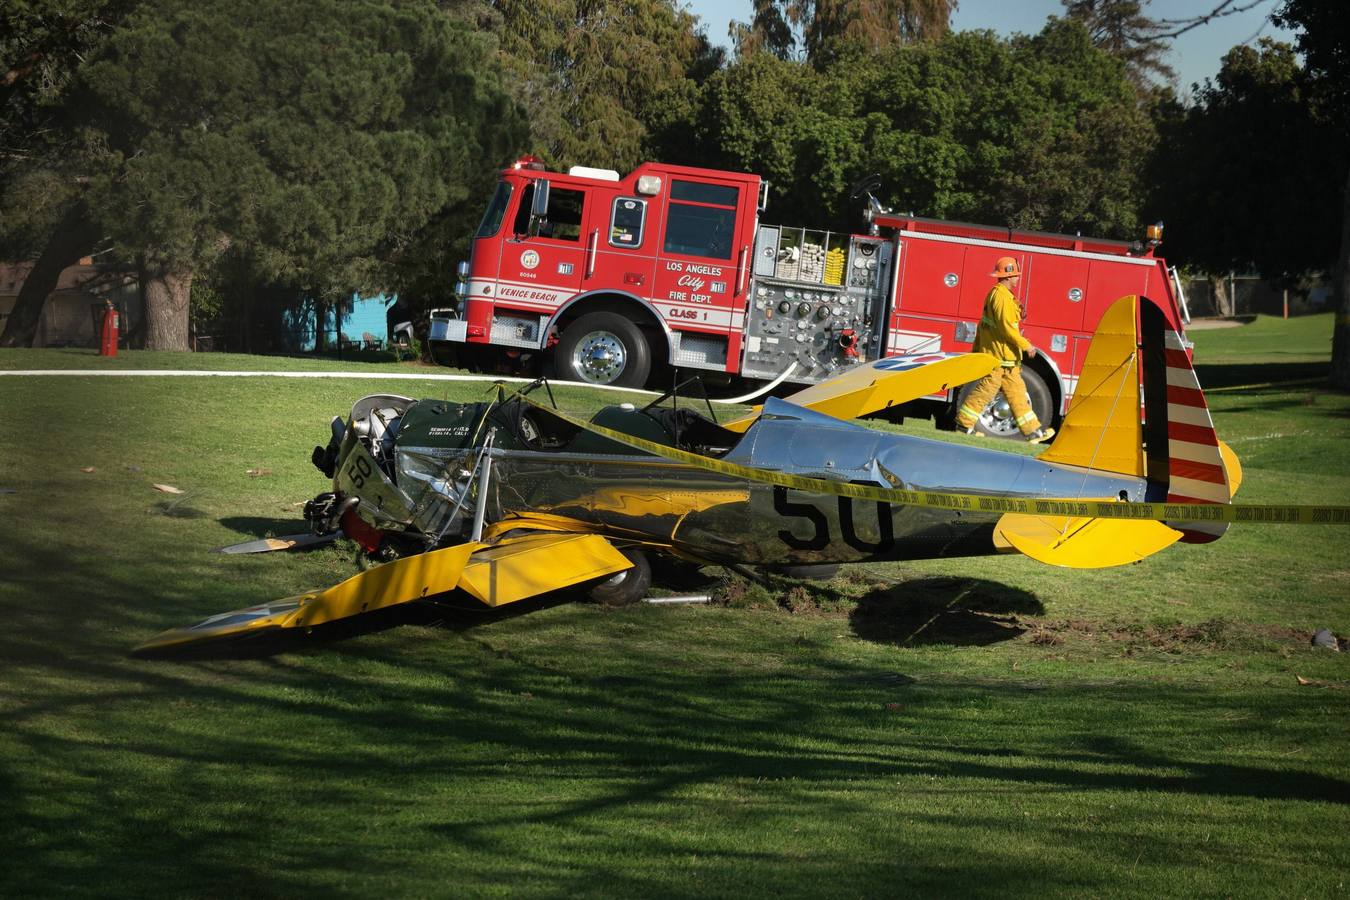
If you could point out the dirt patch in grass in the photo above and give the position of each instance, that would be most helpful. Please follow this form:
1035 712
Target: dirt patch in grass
977 612
1167 637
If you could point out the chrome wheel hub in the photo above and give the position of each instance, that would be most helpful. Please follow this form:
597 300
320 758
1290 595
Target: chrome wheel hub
599 358
998 418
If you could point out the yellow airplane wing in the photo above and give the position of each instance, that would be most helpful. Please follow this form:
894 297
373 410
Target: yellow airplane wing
886 382
512 568
532 564
401 581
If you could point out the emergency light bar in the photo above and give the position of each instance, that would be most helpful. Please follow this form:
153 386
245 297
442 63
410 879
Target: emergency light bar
588 172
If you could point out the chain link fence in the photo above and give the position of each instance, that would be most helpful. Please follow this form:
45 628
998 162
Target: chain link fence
1250 296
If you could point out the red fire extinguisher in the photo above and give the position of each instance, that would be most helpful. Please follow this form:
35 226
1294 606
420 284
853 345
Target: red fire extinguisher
848 342
108 342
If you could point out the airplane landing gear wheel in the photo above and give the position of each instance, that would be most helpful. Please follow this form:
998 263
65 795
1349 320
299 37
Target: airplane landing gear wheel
628 586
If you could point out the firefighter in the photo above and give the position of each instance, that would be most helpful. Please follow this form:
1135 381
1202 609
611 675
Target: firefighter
1000 334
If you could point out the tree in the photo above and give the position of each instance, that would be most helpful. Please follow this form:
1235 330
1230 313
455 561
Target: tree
42 43
1248 178
791 124
1043 132
1324 40
1120 28
768 31
309 132
598 76
825 25
1079 139
872 24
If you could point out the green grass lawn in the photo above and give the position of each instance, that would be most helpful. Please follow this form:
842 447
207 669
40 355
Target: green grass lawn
972 727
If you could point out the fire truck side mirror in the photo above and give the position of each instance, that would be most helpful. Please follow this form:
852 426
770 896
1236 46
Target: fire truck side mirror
539 205
538 198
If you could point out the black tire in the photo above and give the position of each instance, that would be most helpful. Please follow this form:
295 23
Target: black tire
997 419
821 572
477 358
628 586
603 348
444 353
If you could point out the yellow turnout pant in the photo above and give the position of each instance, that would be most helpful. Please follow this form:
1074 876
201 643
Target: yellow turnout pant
1007 379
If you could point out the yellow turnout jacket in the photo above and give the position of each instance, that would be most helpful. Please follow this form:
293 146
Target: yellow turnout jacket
1000 327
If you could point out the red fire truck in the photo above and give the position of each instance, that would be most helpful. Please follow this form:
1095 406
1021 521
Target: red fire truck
671 264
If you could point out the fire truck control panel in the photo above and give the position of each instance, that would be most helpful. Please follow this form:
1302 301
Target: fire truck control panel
818 302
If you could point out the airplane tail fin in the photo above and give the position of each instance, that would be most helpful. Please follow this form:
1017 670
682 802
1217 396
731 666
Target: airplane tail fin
1102 429
1138 410
1186 459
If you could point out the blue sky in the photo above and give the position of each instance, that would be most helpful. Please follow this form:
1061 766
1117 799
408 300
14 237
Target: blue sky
1195 55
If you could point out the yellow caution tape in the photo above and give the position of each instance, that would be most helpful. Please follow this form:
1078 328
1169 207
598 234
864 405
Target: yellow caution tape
1077 507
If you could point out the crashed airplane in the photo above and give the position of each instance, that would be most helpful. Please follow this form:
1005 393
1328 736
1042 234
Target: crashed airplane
510 499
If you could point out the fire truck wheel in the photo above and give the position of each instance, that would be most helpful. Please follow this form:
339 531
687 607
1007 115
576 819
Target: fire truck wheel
628 586
998 420
604 348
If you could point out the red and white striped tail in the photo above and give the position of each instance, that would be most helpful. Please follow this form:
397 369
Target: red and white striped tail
1195 466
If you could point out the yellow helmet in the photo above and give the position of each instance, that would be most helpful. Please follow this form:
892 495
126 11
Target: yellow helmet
1006 267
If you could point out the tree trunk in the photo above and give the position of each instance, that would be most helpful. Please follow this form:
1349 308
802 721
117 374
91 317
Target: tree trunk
167 290
1340 340
74 238
320 320
1223 305
136 337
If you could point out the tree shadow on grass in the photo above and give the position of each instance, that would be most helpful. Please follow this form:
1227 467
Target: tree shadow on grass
1228 375
258 527
504 735
956 611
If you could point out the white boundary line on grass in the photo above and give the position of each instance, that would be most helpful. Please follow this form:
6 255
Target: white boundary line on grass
484 379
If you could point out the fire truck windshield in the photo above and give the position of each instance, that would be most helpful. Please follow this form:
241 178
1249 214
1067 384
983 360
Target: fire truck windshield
492 219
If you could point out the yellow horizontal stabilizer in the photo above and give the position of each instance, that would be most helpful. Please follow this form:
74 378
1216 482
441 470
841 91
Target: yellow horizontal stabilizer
535 564
401 581
1232 469
1101 429
1081 543
887 382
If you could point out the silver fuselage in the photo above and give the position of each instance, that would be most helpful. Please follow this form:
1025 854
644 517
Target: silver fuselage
720 518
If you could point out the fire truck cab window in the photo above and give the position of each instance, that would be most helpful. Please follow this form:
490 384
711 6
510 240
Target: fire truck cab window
625 226
565 210
496 211
705 223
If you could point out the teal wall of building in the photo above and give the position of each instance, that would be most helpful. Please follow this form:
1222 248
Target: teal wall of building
362 319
